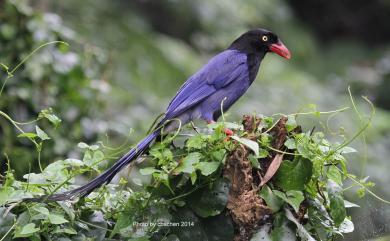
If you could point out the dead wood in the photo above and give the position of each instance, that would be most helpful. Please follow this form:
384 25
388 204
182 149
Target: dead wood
247 209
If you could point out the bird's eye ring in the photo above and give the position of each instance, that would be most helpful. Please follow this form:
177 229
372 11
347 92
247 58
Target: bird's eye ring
264 38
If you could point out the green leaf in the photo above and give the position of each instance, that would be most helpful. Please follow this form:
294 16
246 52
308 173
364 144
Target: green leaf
163 177
162 153
171 237
291 123
73 162
137 181
41 134
70 212
290 144
218 155
5 67
10 194
206 202
98 156
219 227
347 149
268 120
254 161
272 200
139 239
292 197
56 172
232 125
48 114
254 146
57 219
148 170
64 230
334 174
301 231
93 158
7 220
318 163
124 219
187 164
282 230
193 177
23 219
337 208
262 234
99 229
196 142
42 210
93 147
348 204
28 135
26 231
83 145
265 139
294 175
305 146
191 232
263 153
346 226
206 168
5 193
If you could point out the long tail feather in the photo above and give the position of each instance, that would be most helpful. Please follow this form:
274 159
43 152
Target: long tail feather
109 174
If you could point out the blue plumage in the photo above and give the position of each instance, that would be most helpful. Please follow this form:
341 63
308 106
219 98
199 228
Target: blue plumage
225 75
224 79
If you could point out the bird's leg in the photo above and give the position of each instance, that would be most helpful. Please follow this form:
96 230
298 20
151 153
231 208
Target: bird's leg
194 127
227 131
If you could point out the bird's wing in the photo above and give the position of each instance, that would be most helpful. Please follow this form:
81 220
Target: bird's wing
220 71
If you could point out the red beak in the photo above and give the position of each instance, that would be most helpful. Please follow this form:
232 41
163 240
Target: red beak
280 49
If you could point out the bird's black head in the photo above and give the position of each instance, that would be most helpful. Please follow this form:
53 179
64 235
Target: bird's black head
260 41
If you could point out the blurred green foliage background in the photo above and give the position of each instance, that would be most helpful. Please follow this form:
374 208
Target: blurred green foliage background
126 59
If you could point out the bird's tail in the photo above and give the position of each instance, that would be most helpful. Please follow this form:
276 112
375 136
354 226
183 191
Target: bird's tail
109 174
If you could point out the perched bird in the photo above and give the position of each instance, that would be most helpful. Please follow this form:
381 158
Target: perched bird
222 81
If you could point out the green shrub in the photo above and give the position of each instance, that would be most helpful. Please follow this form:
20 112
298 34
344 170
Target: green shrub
183 189
55 76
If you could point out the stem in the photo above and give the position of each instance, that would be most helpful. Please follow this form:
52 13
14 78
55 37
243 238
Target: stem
10 73
364 160
283 152
188 193
368 190
222 113
153 126
27 122
58 187
6 234
176 132
39 161
362 129
94 225
362 186
37 146
273 125
17 127
314 112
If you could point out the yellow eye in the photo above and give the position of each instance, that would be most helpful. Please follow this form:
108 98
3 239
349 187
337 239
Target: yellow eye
264 38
